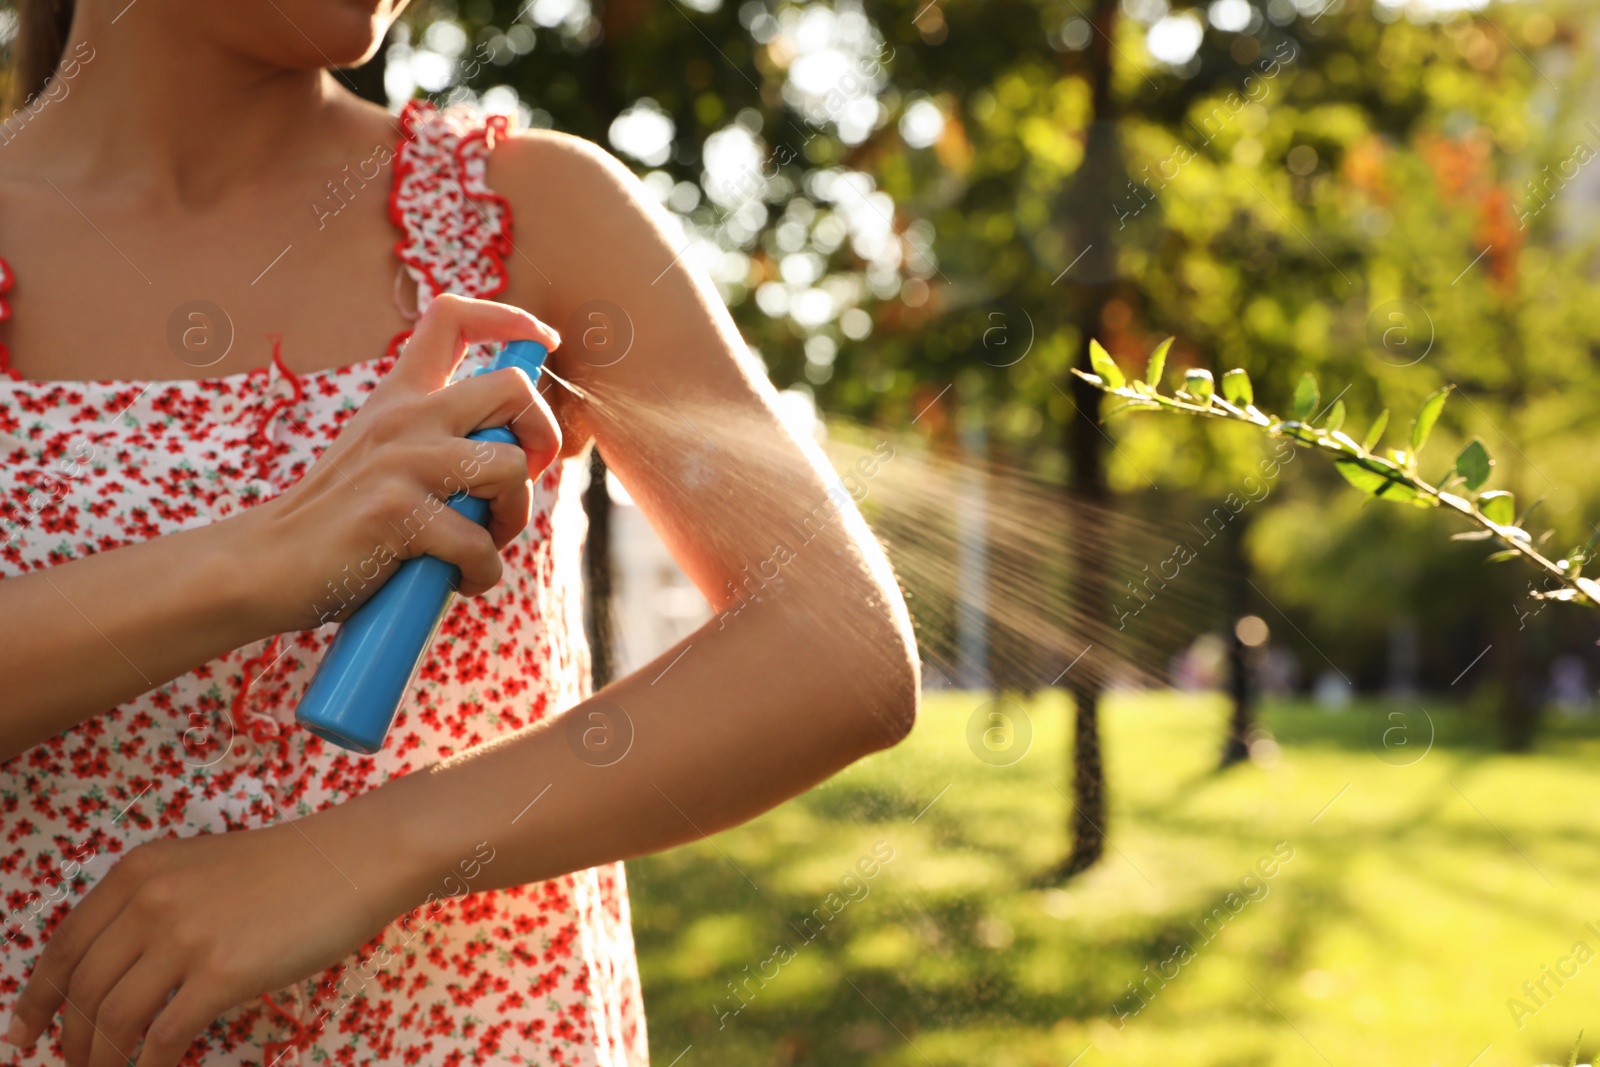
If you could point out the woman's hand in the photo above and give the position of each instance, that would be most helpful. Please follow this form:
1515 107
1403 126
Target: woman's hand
214 921
376 497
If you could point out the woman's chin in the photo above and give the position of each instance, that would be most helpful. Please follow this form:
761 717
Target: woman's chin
311 33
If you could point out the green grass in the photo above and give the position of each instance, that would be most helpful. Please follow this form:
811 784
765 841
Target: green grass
1413 908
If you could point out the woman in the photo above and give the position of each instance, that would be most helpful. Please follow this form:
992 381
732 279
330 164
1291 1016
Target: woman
239 294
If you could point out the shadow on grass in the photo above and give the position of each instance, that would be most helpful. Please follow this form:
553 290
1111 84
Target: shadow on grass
935 966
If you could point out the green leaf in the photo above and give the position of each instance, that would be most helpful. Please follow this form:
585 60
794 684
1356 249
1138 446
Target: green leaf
1306 398
1499 507
1503 556
1473 464
1158 363
1105 366
1137 405
1427 415
1391 485
1199 384
1236 387
1335 417
1375 434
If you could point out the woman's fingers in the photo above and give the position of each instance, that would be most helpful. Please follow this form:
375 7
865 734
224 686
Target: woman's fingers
538 433
498 473
191 1010
126 1011
489 470
100 970
46 987
506 397
453 322
35 1007
456 539
491 399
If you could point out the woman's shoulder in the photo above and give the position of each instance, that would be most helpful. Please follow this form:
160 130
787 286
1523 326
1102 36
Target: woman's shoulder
574 171
579 211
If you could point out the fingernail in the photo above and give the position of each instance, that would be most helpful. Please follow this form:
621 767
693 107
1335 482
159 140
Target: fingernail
15 1032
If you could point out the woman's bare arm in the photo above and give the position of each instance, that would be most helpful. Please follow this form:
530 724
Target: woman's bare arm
84 636
810 662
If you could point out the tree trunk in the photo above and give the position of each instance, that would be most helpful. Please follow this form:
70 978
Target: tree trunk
1241 680
1519 716
1090 204
1236 748
598 623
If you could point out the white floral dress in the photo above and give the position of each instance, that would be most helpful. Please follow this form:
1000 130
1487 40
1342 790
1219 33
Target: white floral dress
539 974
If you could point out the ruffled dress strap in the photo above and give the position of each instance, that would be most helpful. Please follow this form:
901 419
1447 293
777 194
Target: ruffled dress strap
455 232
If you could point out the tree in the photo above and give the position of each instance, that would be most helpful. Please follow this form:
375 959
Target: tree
1090 199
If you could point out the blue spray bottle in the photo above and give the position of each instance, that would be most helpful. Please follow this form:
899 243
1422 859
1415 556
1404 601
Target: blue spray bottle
357 689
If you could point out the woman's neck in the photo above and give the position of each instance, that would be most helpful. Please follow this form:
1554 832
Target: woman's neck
167 116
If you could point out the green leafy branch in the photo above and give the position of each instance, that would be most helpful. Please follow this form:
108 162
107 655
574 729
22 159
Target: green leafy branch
1392 476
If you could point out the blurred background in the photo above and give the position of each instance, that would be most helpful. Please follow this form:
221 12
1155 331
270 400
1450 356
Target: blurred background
1220 762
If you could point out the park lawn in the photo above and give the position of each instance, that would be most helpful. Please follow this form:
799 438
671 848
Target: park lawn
1418 900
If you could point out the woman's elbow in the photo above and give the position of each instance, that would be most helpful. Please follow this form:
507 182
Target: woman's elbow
903 692
879 677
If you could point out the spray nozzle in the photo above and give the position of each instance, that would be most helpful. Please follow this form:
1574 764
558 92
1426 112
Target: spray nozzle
528 355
